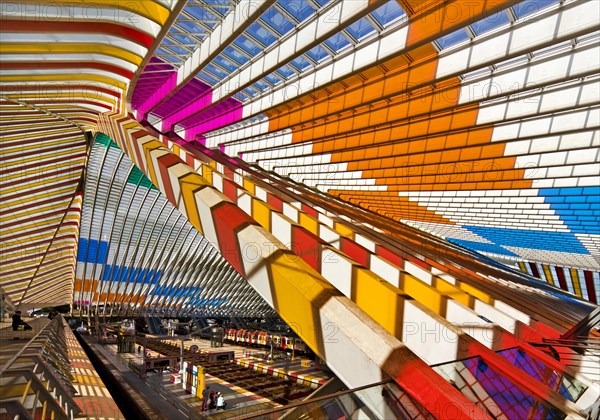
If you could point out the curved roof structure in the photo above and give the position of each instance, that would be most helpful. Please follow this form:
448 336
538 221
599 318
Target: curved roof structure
482 130
370 170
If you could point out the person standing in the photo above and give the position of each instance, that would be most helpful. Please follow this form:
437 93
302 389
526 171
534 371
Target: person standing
211 400
205 393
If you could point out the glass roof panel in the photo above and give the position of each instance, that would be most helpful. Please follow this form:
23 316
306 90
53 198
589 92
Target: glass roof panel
276 21
179 50
317 53
240 96
225 63
207 78
337 42
261 85
300 63
191 27
273 78
388 13
220 6
528 7
182 38
300 9
201 12
215 71
453 38
247 45
490 22
250 91
235 55
323 2
285 71
261 34
360 28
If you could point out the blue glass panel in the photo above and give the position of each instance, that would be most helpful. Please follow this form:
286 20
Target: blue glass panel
261 34
576 207
215 71
300 9
235 55
317 53
250 91
200 13
388 13
528 7
490 22
337 42
534 239
183 39
276 21
131 274
91 251
191 27
240 96
360 28
261 85
205 77
568 386
178 50
247 45
453 38
226 64
285 71
322 2
482 247
273 78
300 63
216 3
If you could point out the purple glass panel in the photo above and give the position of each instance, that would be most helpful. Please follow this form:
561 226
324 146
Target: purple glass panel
188 93
155 74
511 400
201 102
227 112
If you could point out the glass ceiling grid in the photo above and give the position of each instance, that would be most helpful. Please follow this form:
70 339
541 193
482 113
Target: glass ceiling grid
280 19
495 21
196 21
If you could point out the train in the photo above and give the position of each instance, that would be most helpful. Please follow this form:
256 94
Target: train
263 338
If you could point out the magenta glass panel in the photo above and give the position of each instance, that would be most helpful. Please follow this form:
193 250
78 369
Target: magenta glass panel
227 112
182 97
155 74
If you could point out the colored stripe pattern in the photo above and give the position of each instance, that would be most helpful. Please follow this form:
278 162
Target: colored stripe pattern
418 124
582 283
299 294
41 163
76 59
378 298
138 253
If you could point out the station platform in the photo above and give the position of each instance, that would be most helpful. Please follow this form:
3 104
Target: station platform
240 401
300 370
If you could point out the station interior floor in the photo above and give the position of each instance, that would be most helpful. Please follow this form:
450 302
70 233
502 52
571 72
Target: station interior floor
170 398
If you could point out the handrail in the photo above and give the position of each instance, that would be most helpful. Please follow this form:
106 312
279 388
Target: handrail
312 401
